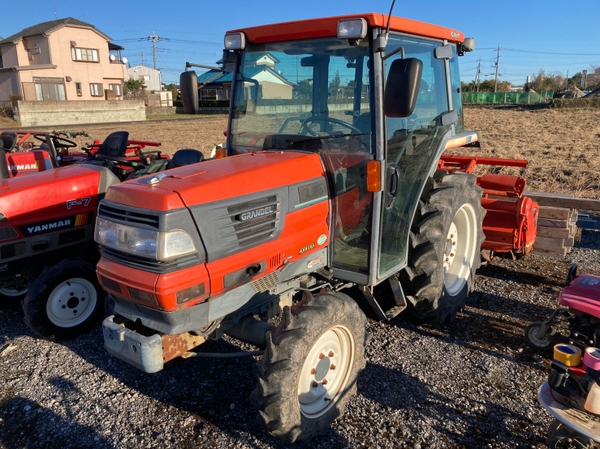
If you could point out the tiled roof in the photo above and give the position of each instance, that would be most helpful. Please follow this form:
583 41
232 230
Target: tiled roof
47 28
215 76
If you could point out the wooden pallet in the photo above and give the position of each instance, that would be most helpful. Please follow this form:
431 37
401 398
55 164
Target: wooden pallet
557 230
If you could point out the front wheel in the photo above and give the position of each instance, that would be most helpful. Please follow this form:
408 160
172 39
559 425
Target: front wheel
445 246
539 336
64 301
309 369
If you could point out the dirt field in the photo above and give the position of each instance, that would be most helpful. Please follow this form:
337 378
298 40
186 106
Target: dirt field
561 145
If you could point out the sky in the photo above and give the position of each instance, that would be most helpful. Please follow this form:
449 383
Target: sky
524 38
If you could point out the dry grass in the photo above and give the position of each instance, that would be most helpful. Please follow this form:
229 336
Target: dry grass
561 145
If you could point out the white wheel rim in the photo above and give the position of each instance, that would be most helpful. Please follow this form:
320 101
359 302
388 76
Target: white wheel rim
326 371
460 249
12 292
71 302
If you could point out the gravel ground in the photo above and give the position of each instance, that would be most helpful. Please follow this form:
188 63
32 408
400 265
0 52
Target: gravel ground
470 384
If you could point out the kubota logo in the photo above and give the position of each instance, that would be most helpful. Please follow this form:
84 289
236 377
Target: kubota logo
255 213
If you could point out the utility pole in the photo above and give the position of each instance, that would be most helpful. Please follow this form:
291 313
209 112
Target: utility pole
496 64
142 53
478 75
154 38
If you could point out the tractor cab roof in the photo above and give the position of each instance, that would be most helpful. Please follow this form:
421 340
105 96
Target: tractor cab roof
328 26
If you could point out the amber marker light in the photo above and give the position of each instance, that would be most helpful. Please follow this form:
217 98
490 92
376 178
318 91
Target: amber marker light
220 153
374 176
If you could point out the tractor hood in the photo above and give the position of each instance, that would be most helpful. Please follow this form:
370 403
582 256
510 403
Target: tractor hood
218 179
51 196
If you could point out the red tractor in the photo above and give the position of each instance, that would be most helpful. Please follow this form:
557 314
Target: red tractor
328 191
47 250
28 152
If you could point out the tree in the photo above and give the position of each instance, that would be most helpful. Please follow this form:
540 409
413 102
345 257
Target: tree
335 82
173 88
304 89
543 83
133 85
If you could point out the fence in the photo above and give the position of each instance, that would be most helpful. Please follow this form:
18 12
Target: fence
506 97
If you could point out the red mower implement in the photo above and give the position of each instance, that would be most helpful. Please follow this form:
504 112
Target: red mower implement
510 222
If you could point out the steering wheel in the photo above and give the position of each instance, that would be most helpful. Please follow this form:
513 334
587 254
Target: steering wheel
306 129
59 142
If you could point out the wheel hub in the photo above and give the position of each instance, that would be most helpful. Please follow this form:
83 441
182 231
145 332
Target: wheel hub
450 247
325 371
71 302
460 249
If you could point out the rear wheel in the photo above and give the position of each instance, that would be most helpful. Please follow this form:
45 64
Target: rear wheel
445 247
64 300
309 369
13 289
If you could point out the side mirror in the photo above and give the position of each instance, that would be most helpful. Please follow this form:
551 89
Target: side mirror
402 87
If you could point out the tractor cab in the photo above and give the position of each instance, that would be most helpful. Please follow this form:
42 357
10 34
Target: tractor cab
376 104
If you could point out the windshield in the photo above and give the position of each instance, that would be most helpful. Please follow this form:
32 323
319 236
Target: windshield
304 95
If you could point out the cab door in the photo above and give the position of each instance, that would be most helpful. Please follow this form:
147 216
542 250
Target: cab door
412 144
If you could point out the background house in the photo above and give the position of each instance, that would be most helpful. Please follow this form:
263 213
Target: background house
64 59
151 77
216 85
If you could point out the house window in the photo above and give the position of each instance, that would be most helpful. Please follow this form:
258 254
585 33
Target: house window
116 88
78 89
84 54
49 89
96 89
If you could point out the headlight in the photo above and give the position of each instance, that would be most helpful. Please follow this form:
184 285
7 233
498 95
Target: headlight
235 41
352 28
143 242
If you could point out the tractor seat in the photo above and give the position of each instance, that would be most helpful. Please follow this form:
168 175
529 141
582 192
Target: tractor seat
8 140
115 144
182 157
186 156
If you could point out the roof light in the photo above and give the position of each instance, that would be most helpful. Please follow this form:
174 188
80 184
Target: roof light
235 41
352 28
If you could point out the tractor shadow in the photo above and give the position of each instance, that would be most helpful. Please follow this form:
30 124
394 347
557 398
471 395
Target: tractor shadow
26 424
214 393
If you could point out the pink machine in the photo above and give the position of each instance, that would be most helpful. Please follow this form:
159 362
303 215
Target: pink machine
579 304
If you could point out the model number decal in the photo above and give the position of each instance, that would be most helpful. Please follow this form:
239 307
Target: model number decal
306 248
80 202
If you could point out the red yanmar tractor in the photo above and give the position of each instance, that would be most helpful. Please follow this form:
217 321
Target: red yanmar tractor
47 251
328 191
28 152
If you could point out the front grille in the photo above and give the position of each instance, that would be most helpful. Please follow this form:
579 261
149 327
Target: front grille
7 233
127 216
250 231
